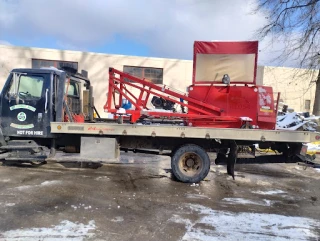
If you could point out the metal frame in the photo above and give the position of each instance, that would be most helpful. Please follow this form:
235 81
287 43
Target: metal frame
118 84
253 135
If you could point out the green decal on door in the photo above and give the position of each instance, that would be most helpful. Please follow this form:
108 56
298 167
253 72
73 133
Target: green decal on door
22 126
28 107
21 116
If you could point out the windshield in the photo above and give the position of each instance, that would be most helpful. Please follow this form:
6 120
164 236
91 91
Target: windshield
26 86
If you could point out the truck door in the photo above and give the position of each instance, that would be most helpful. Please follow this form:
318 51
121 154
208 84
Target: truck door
26 104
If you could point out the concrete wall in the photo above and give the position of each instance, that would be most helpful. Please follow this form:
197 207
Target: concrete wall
176 73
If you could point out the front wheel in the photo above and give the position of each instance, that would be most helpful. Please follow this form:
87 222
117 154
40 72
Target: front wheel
190 163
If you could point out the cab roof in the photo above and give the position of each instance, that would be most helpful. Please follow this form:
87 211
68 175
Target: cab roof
38 70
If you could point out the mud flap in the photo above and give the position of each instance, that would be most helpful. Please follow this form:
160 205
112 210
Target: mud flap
232 158
221 156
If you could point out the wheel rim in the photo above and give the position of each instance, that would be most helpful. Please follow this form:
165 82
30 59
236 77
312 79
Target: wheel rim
190 164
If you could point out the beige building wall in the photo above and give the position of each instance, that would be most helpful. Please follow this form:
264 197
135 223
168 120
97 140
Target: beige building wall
176 73
259 75
294 84
297 86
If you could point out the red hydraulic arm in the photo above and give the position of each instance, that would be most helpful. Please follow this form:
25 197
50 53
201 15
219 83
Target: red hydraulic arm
139 91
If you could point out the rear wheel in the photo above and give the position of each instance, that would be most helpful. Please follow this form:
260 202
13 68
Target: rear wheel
190 163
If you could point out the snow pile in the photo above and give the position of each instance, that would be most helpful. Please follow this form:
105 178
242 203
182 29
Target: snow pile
288 119
66 230
295 121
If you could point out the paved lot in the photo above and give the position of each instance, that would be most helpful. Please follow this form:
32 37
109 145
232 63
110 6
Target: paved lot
138 200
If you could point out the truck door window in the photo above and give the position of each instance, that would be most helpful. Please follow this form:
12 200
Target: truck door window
26 87
73 89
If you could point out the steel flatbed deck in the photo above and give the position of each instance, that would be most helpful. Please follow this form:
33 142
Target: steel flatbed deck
114 129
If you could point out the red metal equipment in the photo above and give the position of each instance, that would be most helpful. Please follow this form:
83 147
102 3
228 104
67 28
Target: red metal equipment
223 94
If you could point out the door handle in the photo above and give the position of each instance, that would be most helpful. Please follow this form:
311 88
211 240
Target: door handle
46 103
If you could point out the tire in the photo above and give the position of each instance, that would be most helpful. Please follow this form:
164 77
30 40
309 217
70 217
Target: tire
190 163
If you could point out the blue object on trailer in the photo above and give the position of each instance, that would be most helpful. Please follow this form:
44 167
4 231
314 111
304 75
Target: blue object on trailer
126 104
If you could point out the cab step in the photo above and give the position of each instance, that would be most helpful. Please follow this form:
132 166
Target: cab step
9 147
24 151
22 145
24 156
27 159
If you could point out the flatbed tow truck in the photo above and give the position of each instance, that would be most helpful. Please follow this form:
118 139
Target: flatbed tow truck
43 110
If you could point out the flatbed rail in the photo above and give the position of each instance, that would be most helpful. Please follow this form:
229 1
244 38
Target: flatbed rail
184 132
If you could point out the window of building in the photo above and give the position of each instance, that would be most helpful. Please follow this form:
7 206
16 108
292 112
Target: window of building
155 75
307 104
38 63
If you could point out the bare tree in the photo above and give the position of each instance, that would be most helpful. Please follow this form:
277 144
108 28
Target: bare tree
297 24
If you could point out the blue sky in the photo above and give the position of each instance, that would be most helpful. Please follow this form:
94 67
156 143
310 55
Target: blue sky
118 45
156 28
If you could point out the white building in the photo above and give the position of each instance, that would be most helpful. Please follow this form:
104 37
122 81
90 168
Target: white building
177 73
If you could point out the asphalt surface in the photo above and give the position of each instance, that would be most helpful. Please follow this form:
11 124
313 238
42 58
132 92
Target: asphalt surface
138 199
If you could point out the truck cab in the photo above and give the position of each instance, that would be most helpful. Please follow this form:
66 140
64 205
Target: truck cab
32 98
29 101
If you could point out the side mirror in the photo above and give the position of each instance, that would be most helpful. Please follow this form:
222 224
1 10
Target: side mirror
226 79
84 73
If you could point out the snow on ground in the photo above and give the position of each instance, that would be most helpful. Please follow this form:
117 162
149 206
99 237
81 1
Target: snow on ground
10 204
263 202
271 192
197 196
7 204
221 225
102 178
49 183
5 180
45 183
81 205
66 230
24 187
117 219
